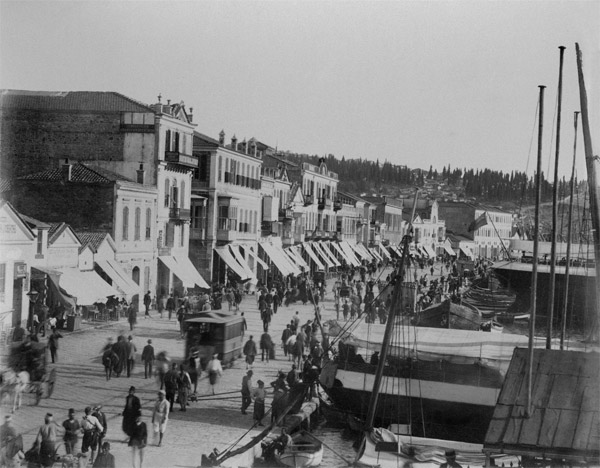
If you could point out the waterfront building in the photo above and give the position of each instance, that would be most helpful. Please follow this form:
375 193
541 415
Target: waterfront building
227 208
429 229
490 228
387 219
148 144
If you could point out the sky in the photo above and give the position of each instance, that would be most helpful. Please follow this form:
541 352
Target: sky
418 83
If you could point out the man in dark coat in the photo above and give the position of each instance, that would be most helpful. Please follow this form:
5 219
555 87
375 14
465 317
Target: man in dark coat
53 343
250 351
148 359
101 417
147 302
171 385
130 412
122 351
266 346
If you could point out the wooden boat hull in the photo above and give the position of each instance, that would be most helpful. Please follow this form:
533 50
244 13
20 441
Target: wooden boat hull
304 452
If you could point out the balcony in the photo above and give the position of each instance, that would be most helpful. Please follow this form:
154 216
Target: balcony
286 213
180 158
179 214
324 203
197 233
337 205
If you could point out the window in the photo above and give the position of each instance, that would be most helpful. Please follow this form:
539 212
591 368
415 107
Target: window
148 221
40 242
137 223
219 173
147 278
167 192
168 141
125 223
182 203
2 282
181 234
174 194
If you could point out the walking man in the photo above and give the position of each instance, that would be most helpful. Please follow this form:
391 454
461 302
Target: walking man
148 359
266 346
101 417
138 440
215 371
250 352
171 305
160 416
91 430
46 439
131 355
131 316
259 395
171 385
184 385
53 343
147 302
246 391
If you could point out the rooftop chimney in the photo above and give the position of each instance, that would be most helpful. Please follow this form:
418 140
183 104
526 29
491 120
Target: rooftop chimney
245 146
66 170
140 174
222 138
234 143
191 115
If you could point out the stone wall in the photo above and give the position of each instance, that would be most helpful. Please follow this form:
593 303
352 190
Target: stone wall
34 140
83 206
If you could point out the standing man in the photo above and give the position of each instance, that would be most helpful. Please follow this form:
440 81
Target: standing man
184 385
259 395
91 430
171 385
131 350
246 391
131 316
132 407
53 343
244 325
46 439
101 417
160 416
250 352
171 305
105 459
148 359
138 440
450 460
287 332
72 427
266 346
147 302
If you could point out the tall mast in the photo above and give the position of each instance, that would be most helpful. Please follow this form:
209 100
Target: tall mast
555 207
391 320
563 319
590 161
536 242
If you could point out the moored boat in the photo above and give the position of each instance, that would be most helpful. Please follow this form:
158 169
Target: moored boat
304 451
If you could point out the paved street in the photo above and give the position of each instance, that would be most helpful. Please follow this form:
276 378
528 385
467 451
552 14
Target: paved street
206 424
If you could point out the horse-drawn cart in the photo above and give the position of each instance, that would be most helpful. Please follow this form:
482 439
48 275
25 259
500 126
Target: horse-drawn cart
26 373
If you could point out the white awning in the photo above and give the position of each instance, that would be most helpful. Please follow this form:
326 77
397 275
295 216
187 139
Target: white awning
422 251
349 253
385 252
293 252
119 277
327 252
258 259
280 259
361 251
313 256
235 250
341 252
87 286
319 251
449 250
376 254
467 251
184 269
429 251
232 263
292 258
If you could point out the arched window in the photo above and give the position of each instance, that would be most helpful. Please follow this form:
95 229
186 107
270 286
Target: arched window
182 203
135 275
137 223
167 192
125 223
148 223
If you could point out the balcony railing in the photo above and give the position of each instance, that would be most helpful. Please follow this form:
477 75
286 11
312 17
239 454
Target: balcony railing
241 181
179 214
286 213
337 205
181 158
324 203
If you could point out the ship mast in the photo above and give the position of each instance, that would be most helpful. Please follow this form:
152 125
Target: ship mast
391 320
590 161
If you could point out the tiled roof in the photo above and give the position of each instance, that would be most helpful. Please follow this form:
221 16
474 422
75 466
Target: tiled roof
566 406
79 173
5 185
54 229
99 101
93 238
200 138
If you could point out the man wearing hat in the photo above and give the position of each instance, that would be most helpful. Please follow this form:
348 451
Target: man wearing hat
148 359
71 426
246 391
91 429
450 460
101 417
160 416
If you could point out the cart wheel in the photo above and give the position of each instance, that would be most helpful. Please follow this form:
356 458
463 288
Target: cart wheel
39 390
50 382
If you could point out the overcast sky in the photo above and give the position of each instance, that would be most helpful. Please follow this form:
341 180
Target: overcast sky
417 83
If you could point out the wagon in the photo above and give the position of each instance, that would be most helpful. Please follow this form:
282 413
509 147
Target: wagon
30 357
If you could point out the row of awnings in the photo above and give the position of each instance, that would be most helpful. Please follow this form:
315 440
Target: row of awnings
184 269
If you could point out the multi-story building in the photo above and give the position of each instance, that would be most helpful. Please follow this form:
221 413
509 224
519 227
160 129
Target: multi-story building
489 228
106 202
227 194
429 229
149 144
387 220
